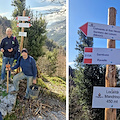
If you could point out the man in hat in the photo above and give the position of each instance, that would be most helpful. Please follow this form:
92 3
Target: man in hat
29 72
9 46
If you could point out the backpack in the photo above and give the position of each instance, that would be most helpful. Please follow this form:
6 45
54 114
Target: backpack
17 53
30 59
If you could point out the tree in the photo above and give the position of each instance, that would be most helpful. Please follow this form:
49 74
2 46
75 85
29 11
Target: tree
36 37
19 7
52 58
86 76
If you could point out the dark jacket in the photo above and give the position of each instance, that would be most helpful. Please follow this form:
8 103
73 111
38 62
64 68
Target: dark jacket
8 43
1 116
28 66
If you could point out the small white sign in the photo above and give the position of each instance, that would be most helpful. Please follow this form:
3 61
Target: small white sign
101 31
23 34
106 97
25 25
109 56
23 18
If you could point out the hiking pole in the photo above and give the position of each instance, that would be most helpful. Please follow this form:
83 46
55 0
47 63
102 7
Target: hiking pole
8 67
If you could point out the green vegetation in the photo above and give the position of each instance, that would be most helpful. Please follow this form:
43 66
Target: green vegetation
10 117
3 93
53 86
41 83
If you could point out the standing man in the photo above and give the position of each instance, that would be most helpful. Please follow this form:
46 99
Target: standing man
9 46
29 72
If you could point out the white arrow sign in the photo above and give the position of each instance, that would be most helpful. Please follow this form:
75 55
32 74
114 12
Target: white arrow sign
101 31
23 34
106 97
101 56
25 25
23 18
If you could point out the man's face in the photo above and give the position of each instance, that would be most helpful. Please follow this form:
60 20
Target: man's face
24 55
9 32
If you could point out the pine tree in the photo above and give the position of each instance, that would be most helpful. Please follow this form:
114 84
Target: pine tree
19 7
36 37
86 77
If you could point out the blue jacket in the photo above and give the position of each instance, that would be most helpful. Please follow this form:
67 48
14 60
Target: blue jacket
8 43
28 66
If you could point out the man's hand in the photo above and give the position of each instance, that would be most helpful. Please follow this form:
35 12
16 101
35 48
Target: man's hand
10 50
8 69
2 50
34 81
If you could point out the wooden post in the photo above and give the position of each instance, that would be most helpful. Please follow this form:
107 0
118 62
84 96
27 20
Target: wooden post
22 37
8 67
7 81
110 81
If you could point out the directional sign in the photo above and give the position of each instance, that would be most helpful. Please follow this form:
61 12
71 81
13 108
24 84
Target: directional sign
106 97
23 34
25 25
101 31
23 18
101 56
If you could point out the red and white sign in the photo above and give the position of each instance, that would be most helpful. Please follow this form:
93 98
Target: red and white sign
23 18
25 25
101 31
101 56
106 97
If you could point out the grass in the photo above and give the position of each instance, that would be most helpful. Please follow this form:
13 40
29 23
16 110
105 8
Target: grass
41 83
10 117
3 93
54 87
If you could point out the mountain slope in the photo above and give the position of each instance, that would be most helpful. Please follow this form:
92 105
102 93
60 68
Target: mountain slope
57 32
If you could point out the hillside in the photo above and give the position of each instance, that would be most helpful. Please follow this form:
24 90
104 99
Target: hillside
57 32
4 23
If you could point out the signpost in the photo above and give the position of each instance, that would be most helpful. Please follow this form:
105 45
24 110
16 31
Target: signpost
111 33
23 18
106 97
101 31
22 33
101 56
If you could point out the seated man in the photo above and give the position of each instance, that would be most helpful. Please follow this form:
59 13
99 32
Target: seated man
29 72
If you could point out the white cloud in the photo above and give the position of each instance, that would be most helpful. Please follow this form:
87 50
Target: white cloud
71 63
52 17
46 8
4 14
50 0
118 66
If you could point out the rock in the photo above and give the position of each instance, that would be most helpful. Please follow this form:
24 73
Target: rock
8 102
1 97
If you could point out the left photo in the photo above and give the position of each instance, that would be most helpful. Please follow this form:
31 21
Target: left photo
33 60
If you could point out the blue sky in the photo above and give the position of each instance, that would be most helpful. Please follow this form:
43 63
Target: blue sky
82 11
36 5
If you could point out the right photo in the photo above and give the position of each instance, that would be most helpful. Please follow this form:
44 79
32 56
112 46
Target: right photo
94 60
